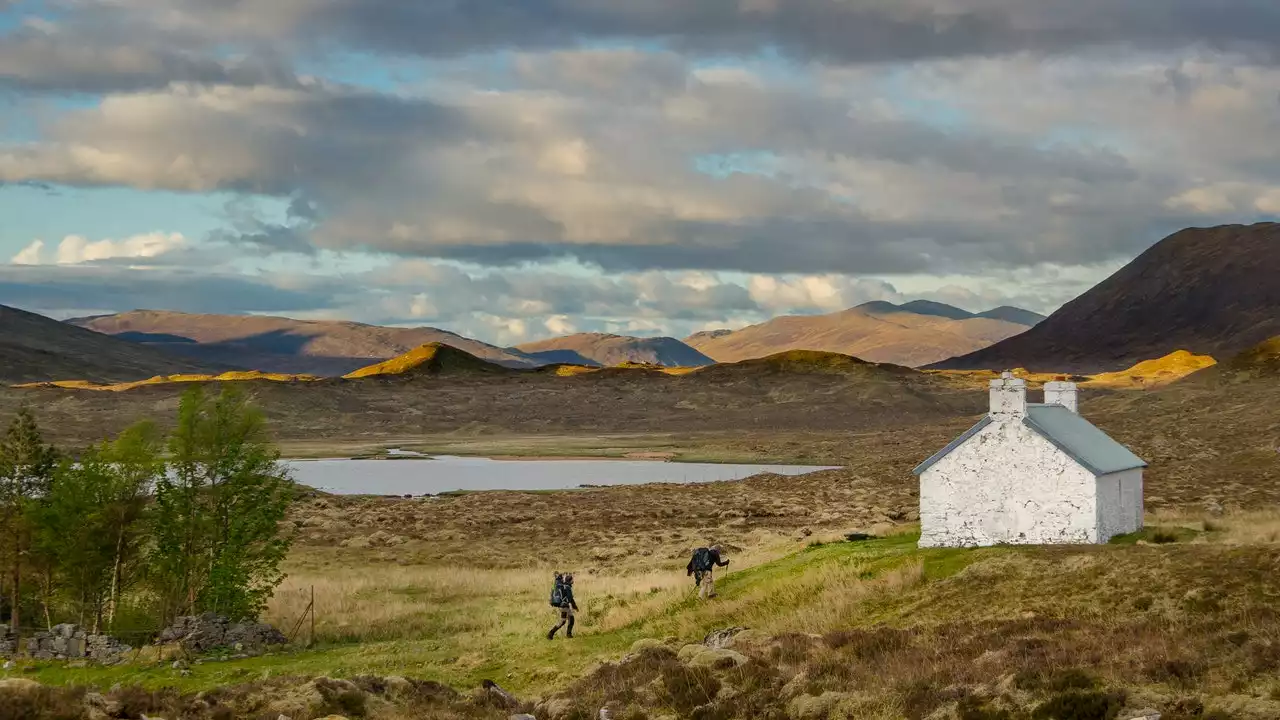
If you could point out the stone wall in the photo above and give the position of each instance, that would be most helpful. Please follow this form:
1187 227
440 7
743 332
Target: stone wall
203 633
8 642
62 642
70 642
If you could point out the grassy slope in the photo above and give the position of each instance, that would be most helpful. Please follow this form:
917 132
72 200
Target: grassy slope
1164 621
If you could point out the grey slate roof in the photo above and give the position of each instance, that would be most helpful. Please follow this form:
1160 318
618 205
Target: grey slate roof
1069 432
1080 439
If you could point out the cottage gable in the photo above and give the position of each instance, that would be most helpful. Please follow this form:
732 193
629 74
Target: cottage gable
1030 473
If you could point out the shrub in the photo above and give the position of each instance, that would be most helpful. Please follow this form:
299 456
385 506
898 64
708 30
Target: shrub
1081 705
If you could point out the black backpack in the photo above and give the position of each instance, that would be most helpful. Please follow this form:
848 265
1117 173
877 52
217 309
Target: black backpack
702 559
557 592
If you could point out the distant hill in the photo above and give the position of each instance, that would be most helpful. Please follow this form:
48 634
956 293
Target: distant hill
1013 315
913 334
608 350
283 345
34 348
429 359
1211 291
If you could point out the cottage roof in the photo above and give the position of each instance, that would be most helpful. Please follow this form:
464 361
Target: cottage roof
1080 439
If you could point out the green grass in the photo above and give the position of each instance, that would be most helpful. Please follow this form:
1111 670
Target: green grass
458 647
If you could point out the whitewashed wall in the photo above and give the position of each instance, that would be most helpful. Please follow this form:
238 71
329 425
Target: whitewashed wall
1119 503
1007 484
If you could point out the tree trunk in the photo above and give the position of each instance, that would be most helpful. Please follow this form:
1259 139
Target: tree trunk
17 580
115 581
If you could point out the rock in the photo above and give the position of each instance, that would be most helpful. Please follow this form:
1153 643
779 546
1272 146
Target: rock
1146 714
555 709
522 717
810 707
498 696
106 649
688 652
643 644
722 638
718 659
98 701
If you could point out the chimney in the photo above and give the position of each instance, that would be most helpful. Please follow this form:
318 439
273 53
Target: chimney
1008 396
1061 392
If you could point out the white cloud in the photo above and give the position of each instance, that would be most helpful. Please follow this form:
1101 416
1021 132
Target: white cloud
77 249
29 255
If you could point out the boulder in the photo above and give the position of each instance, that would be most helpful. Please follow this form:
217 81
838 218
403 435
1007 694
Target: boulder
722 638
718 659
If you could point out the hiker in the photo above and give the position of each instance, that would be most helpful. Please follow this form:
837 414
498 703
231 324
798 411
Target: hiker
562 600
702 567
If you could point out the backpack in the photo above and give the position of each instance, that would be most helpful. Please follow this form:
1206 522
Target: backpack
702 559
557 592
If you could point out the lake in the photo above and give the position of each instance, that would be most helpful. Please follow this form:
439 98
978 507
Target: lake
448 473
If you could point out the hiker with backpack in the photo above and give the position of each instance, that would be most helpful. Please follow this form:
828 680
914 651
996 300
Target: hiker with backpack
562 600
702 567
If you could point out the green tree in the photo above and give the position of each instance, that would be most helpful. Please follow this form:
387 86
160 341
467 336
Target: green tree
218 544
88 531
26 469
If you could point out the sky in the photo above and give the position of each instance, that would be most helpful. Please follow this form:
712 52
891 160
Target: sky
517 169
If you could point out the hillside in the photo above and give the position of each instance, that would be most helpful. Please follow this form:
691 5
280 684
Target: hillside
429 359
608 350
1211 291
283 345
34 348
914 334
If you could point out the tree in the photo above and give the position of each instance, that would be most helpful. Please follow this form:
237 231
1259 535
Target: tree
89 530
218 544
26 468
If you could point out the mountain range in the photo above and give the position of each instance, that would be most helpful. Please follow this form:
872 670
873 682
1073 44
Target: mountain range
284 345
1208 291
602 349
913 334
910 334
1211 291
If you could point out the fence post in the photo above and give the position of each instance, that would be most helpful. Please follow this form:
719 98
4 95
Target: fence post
311 638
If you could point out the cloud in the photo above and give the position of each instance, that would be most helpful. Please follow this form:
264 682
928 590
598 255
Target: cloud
55 287
45 57
695 171
852 31
76 249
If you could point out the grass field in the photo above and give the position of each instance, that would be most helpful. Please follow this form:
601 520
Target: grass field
1182 611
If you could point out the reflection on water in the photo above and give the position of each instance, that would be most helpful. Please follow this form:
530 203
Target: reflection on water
447 473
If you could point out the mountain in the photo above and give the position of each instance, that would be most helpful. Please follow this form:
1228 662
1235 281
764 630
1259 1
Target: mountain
34 348
609 350
283 345
912 334
430 359
1013 315
1211 291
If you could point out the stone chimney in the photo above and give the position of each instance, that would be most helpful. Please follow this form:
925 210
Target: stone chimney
1061 392
1008 396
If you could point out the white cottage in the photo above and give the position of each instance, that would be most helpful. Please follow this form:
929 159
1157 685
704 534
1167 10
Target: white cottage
1030 474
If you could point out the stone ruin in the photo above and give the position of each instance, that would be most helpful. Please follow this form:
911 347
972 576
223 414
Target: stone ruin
202 633
70 642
